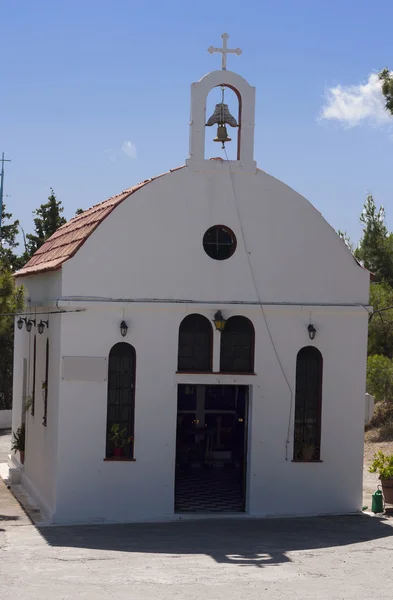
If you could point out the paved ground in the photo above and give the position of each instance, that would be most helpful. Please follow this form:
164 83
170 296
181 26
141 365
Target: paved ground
335 558
340 558
5 444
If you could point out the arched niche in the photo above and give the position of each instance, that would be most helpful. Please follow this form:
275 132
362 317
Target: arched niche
232 148
246 98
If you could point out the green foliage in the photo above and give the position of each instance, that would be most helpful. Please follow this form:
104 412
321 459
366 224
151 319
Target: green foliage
8 243
11 300
386 76
375 249
380 377
18 439
383 465
345 237
119 437
48 219
380 333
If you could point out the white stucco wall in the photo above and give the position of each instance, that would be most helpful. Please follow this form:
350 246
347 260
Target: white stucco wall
5 419
39 470
41 288
92 490
151 245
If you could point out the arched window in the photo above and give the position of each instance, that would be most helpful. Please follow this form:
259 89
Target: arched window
121 398
308 405
237 346
195 344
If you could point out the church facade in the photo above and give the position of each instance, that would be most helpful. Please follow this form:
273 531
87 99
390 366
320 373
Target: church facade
195 345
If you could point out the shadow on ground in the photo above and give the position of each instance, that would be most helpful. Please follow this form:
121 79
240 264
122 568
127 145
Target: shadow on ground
242 542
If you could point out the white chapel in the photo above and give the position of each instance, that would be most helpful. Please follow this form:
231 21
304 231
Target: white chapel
194 345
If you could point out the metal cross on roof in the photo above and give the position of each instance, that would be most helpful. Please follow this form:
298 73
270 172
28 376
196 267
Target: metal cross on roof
224 50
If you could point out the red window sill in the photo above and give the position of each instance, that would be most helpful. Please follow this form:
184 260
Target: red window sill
119 459
307 461
213 373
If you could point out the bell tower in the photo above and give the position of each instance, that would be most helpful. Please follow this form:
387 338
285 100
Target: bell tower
199 125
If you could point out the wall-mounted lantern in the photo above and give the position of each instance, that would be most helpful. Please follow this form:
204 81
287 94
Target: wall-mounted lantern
123 328
311 331
41 326
20 322
219 321
29 324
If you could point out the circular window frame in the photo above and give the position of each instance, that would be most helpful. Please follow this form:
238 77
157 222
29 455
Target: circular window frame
232 247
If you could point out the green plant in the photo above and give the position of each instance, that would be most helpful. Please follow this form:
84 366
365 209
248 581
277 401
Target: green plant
28 404
119 437
380 377
383 465
18 439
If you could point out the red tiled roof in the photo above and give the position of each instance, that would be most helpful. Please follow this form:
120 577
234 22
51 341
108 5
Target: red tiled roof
67 240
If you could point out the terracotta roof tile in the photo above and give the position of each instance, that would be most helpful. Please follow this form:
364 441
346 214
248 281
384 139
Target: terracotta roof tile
67 240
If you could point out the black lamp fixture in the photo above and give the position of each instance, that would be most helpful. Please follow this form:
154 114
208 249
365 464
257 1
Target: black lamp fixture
219 321
20 322
29 324
311 331
123 328
41 326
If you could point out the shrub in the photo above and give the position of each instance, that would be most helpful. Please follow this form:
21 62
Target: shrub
383 415
380 377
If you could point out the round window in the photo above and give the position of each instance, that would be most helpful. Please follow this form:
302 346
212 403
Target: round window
219 242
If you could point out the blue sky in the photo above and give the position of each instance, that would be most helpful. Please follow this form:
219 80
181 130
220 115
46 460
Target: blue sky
80 79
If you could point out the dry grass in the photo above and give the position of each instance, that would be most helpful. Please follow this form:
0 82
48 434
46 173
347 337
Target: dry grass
378 438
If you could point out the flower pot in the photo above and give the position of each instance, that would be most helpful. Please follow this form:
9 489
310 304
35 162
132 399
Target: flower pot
118 452
22 456
308 453
387 488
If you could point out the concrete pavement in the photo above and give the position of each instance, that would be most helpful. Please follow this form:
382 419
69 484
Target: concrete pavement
333 558
5 444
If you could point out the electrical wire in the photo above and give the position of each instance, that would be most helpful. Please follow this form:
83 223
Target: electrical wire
262 309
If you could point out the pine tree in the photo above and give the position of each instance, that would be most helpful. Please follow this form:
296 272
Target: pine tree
8 243
386 76
47 220
375 249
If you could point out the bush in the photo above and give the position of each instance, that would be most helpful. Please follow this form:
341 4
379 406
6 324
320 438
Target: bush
380 377
383 415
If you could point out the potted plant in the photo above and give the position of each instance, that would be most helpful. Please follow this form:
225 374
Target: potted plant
307 450
18 442
383 465
119 438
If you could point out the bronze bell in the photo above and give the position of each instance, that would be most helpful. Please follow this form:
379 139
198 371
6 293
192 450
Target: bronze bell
222 134
221 115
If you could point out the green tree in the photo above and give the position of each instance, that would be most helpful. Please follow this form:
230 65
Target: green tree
375 249
11 301
386 76
380 331
380 377
347 240
47 220
8 243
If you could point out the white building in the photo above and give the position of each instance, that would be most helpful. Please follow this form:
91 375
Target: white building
263 418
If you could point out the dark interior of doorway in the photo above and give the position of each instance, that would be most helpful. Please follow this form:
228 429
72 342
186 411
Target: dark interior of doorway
211 448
